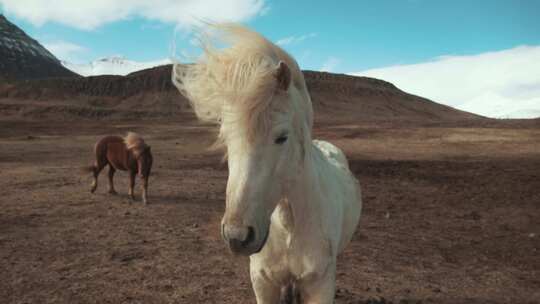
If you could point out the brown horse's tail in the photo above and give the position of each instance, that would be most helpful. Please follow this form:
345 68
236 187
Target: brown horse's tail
88 169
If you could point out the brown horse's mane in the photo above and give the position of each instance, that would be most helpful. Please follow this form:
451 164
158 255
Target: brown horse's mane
134 141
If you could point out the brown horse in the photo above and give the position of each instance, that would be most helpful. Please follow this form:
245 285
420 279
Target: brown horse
127 154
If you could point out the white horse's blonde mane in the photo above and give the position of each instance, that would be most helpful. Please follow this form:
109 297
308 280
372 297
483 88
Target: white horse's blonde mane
134 141
240 77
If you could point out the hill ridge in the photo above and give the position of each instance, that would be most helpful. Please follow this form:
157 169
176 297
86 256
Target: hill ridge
335 96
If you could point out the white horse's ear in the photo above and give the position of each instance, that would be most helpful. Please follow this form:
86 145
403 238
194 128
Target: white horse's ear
283 75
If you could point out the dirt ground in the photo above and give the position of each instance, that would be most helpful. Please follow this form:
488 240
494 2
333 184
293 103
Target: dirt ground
451 215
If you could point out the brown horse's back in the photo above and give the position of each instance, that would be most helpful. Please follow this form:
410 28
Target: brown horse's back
112 150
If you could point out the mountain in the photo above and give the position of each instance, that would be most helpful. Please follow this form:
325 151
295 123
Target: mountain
115 65
352 98
496 84
22 57
487 104
499 106
150 93
40 86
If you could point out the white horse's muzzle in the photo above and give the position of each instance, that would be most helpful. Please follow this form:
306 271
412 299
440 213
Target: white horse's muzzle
242 240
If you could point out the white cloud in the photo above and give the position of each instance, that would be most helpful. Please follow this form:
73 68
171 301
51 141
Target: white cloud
495 84
330 64
295 39
64 50
89 15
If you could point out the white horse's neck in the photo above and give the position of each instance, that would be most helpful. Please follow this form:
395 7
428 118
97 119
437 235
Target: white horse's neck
301 210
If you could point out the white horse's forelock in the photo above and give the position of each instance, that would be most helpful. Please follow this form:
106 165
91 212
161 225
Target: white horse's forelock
240 78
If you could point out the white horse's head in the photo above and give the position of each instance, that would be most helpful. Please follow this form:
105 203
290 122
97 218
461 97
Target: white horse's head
257 94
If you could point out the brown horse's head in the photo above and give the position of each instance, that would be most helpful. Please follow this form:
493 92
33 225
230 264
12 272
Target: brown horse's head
141 152
144 160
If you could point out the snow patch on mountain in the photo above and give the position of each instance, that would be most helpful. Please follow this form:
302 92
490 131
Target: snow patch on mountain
114 65
500 84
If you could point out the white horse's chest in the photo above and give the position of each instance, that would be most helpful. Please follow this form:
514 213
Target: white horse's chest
305 249
287 257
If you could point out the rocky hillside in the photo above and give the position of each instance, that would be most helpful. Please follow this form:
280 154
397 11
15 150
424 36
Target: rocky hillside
354 98
22 57
150 93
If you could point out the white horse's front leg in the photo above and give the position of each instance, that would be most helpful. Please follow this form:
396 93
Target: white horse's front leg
320 290
266 291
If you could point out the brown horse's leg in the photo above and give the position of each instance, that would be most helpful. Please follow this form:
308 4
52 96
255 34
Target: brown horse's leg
132 175
94 181
145 190
97 169
111 176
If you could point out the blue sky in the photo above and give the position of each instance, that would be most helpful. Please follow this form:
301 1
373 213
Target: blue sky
344 37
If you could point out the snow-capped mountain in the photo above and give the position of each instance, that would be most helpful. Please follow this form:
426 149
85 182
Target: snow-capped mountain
114 65
499 84
22 57
495 105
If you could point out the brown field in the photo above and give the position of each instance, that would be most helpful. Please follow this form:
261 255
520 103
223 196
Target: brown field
451 215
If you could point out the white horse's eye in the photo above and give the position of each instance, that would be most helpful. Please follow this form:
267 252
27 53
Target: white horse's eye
281 139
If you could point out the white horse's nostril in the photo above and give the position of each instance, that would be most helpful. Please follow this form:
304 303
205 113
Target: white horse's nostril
239 239
250 237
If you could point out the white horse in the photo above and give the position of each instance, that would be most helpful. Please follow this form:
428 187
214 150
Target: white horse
292 204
